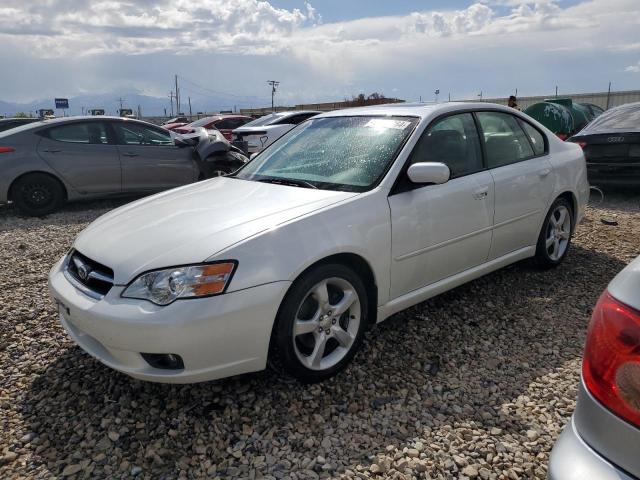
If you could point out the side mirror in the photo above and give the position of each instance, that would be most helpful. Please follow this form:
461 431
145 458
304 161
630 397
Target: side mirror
429 172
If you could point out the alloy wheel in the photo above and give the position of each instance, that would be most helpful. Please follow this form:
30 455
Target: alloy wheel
558 232
326 323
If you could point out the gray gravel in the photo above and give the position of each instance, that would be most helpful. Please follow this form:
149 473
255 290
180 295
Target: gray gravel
477 383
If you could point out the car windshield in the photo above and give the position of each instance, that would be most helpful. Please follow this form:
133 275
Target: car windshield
202 122
337 153
616 119
265 120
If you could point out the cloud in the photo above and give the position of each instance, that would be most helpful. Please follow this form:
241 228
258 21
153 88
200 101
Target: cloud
235 45
633 68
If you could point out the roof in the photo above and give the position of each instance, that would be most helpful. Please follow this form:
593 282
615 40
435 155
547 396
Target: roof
415 109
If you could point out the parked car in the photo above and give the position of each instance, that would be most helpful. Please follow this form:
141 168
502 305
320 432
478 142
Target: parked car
349 218
256 135
601 441
611 145
175 120
224 123
46 163
9 123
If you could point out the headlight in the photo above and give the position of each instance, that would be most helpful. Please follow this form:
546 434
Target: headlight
164 286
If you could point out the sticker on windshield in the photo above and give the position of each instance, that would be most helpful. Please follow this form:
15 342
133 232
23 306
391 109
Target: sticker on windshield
381 123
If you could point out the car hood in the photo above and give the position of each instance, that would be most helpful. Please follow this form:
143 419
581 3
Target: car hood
192 223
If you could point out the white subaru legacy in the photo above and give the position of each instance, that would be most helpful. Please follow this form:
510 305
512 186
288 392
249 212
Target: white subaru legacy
350 217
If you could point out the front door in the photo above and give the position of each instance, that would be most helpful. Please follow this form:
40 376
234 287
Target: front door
441 230
150 159
523 177
84 155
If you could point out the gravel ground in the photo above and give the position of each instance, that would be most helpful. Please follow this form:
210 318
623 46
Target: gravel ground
481 386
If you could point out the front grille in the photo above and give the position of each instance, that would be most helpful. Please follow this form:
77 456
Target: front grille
89 276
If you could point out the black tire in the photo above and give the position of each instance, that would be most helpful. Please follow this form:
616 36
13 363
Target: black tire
546 256
37 194
286 349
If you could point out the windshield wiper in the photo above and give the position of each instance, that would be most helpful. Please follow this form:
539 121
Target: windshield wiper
289 181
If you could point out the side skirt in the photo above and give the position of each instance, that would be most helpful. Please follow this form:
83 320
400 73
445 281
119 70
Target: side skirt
420 295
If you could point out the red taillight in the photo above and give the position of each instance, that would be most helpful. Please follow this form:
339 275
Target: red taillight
611 366
7 149
562 136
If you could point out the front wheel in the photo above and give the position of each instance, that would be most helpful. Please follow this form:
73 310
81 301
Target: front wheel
320 324
555 236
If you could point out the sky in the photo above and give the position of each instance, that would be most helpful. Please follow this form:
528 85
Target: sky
320 50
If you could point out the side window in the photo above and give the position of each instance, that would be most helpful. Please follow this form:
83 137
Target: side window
130 133
453 141
90 133
505 142
224 124
537 140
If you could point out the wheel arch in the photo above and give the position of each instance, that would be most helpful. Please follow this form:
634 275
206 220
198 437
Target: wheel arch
360 266
10 192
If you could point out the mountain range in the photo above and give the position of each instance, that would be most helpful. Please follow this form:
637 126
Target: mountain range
110 102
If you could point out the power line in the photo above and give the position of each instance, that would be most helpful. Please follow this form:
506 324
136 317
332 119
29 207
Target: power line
218 92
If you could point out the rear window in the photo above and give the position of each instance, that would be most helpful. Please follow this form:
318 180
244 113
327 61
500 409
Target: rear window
265 120
616 119
90 133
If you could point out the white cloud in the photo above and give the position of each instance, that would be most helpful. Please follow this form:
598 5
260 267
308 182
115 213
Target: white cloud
487 44
633 68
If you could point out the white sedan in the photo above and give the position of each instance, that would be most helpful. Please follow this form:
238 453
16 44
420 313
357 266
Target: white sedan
350 217
263 131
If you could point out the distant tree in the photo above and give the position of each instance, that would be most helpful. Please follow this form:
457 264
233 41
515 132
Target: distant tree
22 115
376 96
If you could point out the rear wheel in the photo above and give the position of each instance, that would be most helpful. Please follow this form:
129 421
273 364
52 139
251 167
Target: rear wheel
320 324
555 236
37 194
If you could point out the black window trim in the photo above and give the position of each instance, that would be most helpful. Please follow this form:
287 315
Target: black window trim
45 131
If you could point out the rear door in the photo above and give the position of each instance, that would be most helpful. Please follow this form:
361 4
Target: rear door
84 154
516 155
150 159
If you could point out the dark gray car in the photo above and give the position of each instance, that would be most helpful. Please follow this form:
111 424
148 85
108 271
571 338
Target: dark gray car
46 163
602 441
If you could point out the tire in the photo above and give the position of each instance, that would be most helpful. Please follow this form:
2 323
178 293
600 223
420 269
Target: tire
304 325
555 237
37 194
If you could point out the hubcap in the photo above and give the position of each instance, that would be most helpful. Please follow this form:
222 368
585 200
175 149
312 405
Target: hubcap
36 195
558 233
326 323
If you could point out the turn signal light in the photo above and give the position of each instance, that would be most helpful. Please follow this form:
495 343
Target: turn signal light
611 366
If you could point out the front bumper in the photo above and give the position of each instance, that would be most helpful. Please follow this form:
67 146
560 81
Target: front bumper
216 337
572 459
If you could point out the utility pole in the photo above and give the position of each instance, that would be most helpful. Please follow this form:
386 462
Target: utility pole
608 96
171 100
190 114
273 84
449 96
556 91
177 97
120 100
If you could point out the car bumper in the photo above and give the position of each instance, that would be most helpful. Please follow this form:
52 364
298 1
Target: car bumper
216 337
572 459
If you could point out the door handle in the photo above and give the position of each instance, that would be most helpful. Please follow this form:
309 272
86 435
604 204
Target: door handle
129 154
545 172
52 151
481 193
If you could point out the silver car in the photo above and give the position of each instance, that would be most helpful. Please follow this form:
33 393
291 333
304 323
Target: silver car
46 163
602 441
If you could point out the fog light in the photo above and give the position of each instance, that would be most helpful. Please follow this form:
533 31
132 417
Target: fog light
164 361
